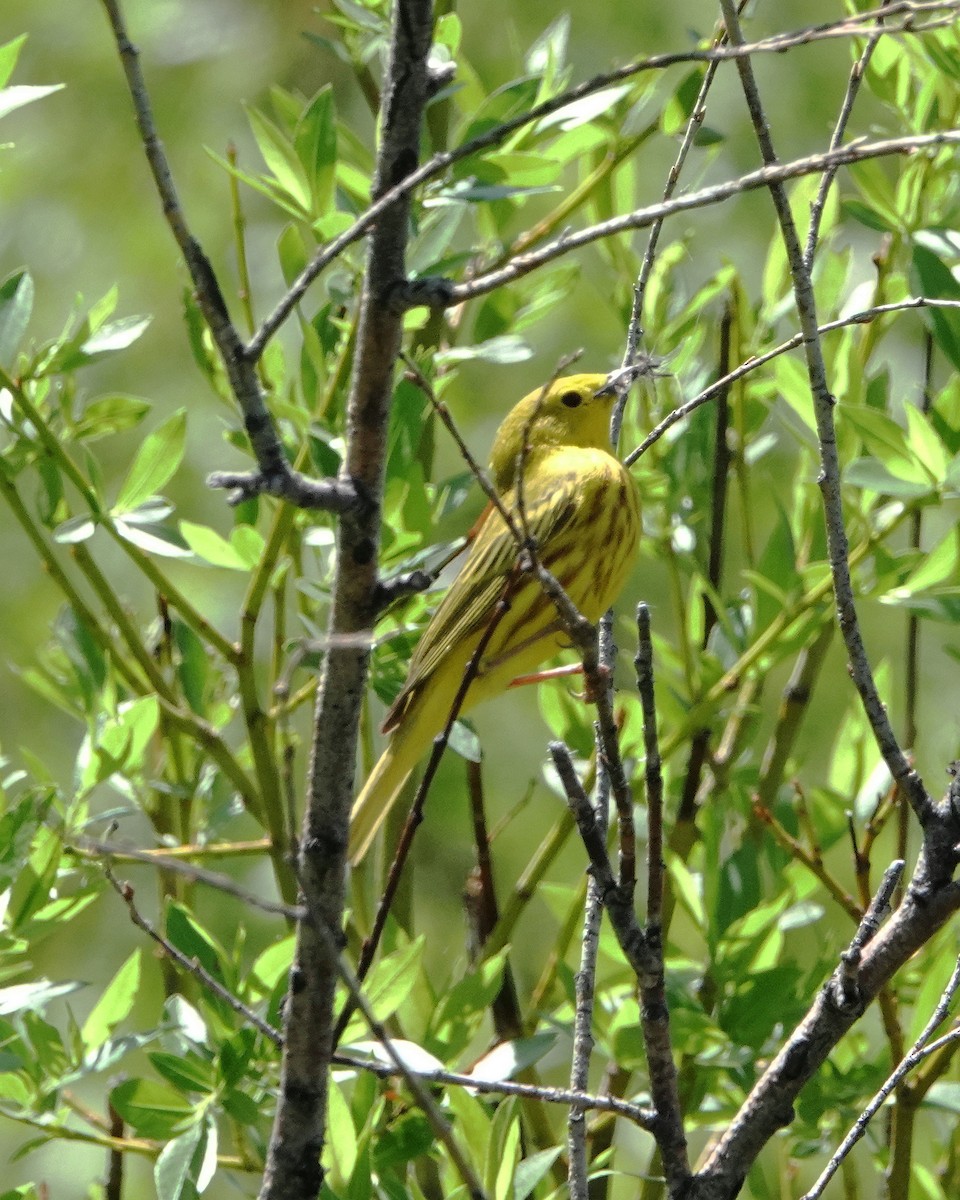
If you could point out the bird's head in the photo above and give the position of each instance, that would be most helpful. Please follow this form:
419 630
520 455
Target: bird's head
573 411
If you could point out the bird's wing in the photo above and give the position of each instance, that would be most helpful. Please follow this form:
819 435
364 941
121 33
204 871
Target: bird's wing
550 506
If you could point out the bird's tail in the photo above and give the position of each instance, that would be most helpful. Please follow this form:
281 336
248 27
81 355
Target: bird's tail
381 791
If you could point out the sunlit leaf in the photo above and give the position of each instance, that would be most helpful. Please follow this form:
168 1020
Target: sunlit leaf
156 462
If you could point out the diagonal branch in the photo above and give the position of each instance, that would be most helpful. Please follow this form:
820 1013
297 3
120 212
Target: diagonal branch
823 403
850 26
274 475
772 174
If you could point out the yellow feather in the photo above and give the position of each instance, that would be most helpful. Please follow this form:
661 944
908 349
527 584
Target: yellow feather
582 507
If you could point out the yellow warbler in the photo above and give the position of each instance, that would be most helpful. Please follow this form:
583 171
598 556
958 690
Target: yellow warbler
582 507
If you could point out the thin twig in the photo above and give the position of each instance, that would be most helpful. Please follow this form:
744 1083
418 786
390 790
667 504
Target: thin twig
223 883
483 913
694 122
858 318
877 912
846 108
273 476
917 1053
648 969
838 546
850 26
654 778
584 992
767 176
643 1117
126 893
415 815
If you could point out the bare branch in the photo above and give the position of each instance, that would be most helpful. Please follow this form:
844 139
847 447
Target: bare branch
293 1169
846 108
214 879
190 965
850 26
643 1117
766 176
648 968
654 777
823 402
327 495
719 386
918 1052
694 122
274 475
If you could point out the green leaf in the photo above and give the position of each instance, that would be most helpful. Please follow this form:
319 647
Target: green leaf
34 997
881 434
390 983
12 98
531 1170
341 1134
678 109
448 31
586 109
138 721
9 53
926 446
185 932
406 1139
942 53
156 462
872 474
504 350
158 540
281 159
186 1072
248 543
111 414
939 567
473 1121
171 1172
315 141
464 741
945 1095
868 216
207 544
16 305
273 964
75 529
118 335
151 1108
548 53
150 512
935 279
507 1058
114 1004
508 1156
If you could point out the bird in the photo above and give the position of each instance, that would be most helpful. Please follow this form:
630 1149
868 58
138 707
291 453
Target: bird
582 507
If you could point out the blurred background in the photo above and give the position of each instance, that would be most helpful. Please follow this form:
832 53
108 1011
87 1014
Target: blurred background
78 209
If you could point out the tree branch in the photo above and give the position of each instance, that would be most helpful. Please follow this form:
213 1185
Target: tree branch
850 26
274 475
293 1169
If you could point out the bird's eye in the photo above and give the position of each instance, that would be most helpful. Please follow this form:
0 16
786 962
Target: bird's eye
571 399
